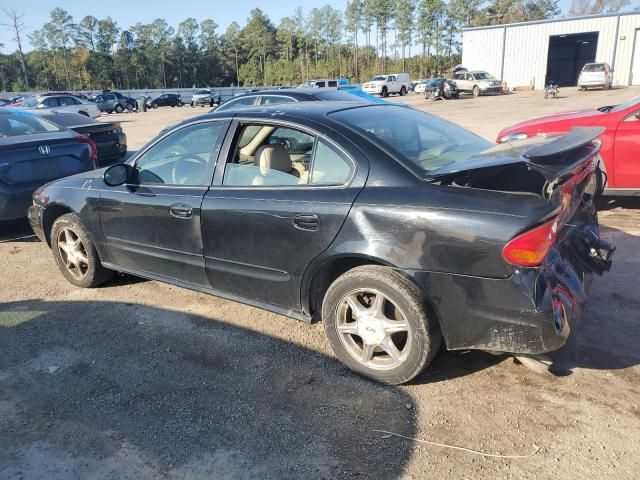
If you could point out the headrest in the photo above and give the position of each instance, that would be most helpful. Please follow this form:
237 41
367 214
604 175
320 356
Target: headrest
273 157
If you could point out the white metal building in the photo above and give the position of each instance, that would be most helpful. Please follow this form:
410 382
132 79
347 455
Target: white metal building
527 54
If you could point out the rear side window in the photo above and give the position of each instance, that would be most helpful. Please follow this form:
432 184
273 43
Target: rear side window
330 166
237 103
275 99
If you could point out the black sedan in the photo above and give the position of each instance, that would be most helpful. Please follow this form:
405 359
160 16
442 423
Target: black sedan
291 95
397 229
34 151
110 139
165 100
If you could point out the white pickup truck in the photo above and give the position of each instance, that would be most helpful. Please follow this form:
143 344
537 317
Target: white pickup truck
384 85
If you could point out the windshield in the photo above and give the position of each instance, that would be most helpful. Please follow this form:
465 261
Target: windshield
30 102
623 106
421 141
15 124
482 76
378 78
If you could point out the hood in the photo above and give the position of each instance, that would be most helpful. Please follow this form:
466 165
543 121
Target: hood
576 118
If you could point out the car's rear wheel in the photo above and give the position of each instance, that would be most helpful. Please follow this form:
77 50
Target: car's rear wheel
476 91
378 325
119 108
75 253
154 105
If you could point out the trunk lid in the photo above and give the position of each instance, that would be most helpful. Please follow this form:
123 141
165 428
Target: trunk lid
39 158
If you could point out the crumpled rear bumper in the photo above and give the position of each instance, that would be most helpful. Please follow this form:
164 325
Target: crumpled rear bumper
532 311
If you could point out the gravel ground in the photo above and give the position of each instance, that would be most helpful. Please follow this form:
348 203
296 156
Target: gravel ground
138 379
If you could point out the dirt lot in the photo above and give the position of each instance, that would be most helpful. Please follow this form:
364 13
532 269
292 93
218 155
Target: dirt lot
143 380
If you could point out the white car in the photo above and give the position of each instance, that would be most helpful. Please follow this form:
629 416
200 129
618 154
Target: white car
595 75
477 82
384 85
61 103
420 87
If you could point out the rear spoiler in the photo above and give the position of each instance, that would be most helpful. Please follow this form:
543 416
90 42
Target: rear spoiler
576 138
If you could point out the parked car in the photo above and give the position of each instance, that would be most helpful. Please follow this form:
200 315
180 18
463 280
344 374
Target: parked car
420 86
62 103
110 102
277 96
165 100
205 97
17 101
34 151
384 85
435 88
595 75
620 140
477 83
396 228
110 139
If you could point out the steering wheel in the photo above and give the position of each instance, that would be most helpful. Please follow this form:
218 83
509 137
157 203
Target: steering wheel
188 170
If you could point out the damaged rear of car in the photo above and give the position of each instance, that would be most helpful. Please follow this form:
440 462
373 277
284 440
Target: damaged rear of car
504 242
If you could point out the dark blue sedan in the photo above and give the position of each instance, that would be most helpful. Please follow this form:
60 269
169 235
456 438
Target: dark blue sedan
34 151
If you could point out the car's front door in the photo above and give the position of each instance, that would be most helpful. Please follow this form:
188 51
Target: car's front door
277 203
153 223
626 164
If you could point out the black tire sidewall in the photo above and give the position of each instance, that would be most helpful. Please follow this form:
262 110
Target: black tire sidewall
96 273
426 331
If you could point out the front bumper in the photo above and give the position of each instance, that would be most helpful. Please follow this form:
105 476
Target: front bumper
35 216
532 311
373 90
490 90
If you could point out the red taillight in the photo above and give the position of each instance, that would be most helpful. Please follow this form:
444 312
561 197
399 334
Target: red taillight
530 248
93 154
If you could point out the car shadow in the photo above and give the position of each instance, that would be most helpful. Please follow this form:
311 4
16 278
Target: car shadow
16 231
119 389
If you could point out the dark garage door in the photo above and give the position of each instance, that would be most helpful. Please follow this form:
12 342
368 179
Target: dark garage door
568 54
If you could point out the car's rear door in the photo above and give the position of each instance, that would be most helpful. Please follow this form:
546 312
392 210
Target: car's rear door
263 226
152 224
625 152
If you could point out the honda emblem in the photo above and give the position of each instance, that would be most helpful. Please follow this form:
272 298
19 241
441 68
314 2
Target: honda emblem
44 149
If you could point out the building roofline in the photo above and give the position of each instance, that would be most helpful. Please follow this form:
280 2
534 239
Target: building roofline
551 20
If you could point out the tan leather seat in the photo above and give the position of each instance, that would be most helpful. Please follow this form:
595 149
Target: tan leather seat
272 157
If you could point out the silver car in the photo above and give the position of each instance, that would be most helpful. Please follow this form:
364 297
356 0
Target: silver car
477 82
595 75
61 103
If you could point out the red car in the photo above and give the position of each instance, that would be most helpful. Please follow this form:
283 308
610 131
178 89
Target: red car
620 141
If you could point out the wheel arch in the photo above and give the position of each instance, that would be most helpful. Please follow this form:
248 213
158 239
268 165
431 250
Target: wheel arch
318 280
51 213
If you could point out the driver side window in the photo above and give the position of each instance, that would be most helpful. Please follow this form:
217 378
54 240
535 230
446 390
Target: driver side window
182 158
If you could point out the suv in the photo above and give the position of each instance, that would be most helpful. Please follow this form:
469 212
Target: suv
383 85
477 82
165 100
205 97
115 102
595 75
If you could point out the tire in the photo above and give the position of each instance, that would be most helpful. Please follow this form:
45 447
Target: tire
385 93
403 91
154 105
119 108
82 268
415 346
180 104
476 91
193 105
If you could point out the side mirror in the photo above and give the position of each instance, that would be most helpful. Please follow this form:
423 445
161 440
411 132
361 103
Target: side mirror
118 174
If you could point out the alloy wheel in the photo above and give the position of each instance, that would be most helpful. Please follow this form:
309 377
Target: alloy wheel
373 330
73 253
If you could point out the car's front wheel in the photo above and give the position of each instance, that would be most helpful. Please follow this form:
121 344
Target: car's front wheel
402 91
119 108
378 324
75 254
476 91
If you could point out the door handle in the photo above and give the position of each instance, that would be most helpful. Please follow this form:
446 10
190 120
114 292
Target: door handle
306 222
181 211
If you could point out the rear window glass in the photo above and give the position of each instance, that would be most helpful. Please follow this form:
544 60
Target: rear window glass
335 96
593 67
17 124
421 141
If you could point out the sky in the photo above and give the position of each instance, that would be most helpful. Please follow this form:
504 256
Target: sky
128 13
